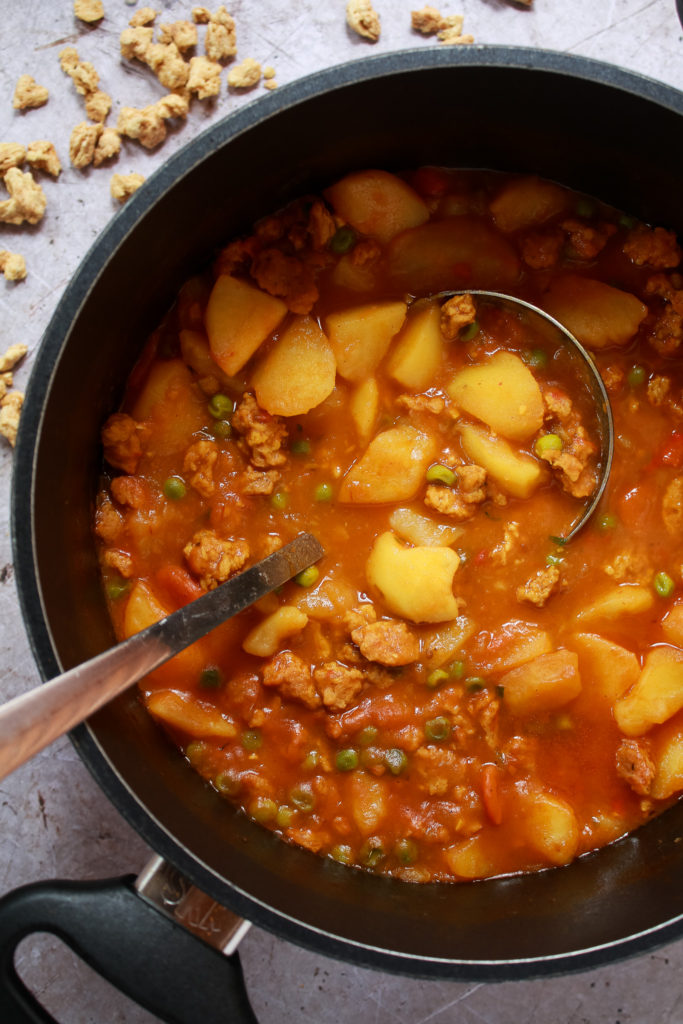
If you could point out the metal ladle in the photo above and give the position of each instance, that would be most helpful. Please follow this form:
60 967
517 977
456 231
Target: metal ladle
31 721
552 330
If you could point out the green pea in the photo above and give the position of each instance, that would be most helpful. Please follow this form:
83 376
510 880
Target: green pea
636 376
585 208
252 739
346 760
300 446
406 851
396 760
663 584
372 853
279 500
475 683
195 751
311 760
221 429
323 492
440 474
548 443
341 853
174 488
628 222
211 678
343 240
535 358
367 735
435 678
457 669
371 757
606 522
117 589
438 728
303 797
469 332
263 809
285 816
228 783
554 560
307 577
221 406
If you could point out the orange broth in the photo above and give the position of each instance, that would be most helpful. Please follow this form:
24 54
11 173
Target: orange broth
542 718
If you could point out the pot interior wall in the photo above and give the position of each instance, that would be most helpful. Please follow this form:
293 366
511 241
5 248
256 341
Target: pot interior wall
397 113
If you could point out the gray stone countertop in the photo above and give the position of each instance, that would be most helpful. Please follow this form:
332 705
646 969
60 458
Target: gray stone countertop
54 823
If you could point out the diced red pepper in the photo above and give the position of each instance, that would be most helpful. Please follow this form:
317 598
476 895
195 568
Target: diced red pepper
490 791
178 586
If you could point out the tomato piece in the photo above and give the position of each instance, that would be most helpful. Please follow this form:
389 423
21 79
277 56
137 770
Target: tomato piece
670 453
178 586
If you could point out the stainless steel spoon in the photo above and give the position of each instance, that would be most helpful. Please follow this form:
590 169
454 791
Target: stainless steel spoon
553 331
33 720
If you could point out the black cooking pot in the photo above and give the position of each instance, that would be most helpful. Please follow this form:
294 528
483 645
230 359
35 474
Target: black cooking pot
592 127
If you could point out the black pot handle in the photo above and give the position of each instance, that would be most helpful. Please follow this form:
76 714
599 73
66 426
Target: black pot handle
145 954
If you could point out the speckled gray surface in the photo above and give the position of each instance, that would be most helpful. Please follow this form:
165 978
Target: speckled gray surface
53 821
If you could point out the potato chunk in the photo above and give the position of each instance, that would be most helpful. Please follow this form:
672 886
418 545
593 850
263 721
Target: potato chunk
368 798
417 352
418 529
672 624
361 336
550 826
458 252
470 858
597 314
239 318
416 583
657 694
516 472
668 762
377 203
502 392
171 405
298 372
391 469
364 406
444 642
626 599
526 202
144 609
612 669
182 712
543 684
265 638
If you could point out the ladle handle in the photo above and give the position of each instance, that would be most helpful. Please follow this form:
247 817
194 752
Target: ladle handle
33 720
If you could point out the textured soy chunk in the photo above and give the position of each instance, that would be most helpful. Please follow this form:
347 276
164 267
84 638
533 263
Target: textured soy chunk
515 472
526 202
502 392
458 252
360 336
416 583
656 696
298 372
184 712
543 684
597 314
392 467
377 203
238 319
418 351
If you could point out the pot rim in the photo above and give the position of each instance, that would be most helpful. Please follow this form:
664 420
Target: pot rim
46 363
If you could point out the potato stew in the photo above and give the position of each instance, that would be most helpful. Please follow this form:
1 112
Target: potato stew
452 692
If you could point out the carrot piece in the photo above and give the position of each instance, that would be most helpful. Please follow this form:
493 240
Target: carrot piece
490 786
